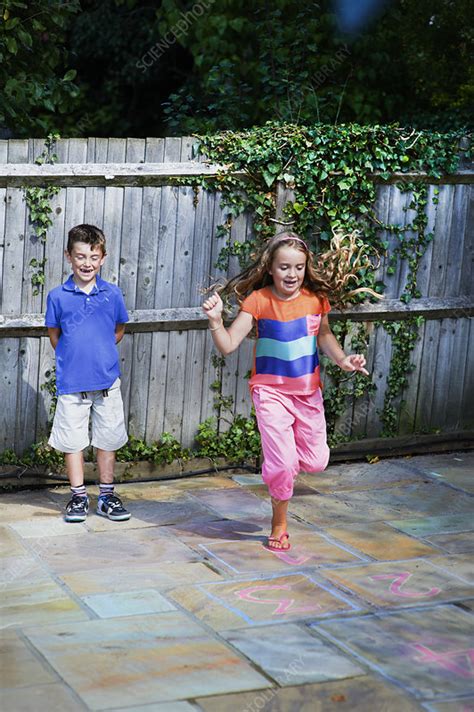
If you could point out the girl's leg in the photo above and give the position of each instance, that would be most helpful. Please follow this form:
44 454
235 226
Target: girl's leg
279 522
280 465
310 433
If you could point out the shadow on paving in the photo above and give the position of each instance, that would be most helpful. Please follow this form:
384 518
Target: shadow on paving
182 608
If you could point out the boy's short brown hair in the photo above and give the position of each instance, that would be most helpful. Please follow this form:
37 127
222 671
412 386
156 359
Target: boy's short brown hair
90 234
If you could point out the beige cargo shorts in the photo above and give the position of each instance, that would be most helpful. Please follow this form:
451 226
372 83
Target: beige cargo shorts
70 432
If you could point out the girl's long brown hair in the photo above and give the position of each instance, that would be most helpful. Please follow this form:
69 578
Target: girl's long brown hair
328 276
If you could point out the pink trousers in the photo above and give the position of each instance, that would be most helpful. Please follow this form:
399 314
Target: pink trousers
293 433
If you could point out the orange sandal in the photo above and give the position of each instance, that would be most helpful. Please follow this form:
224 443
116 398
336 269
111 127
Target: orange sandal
273 540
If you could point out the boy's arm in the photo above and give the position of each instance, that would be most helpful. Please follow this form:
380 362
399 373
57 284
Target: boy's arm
329 344
54 332
119 332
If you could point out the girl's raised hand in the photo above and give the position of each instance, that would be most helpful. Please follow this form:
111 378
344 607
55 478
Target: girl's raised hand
213 306
354 362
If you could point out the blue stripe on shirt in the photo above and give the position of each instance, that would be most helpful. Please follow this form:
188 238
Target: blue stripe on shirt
282 330
290 369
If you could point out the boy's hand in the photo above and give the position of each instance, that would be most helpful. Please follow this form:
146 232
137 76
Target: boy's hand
213 308
354 362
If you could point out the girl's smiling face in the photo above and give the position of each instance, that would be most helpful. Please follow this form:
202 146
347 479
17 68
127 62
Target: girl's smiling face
288 270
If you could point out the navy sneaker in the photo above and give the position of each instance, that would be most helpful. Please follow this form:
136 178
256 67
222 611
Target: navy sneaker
110 506
77 509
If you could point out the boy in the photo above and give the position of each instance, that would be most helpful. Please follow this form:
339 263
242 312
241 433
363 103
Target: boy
86 318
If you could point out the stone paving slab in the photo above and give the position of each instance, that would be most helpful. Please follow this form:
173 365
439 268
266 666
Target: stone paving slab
460 705
360 694
431 655
292 656
457 469
247 480
462 543
251 601
137 577
363 476
344 508
41 603
128 603
53 698
409 501
401 583
308 548
10 544
427 498
16 506
18 666
66 554
18 571
461 565
202 482
222 529
47 527
160 707
234 504
380 541
152 514
442 524
141 660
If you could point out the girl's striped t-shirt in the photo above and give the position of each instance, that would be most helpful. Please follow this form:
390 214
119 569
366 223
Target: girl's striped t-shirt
286 353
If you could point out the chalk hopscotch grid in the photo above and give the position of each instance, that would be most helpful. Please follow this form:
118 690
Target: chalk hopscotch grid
203 588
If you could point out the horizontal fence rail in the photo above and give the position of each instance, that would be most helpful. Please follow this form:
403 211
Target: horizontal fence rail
147 320
82 175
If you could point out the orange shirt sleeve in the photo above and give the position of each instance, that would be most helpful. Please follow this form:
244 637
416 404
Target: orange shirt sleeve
325 306
250 305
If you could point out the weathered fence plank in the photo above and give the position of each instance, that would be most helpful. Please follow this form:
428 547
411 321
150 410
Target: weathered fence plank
130 241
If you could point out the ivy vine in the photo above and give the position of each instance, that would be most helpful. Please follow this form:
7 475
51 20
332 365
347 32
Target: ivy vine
330 171
38 201
404 335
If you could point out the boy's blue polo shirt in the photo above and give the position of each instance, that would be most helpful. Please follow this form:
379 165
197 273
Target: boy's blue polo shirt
86 354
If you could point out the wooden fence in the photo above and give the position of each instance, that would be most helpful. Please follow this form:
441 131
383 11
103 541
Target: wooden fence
161 251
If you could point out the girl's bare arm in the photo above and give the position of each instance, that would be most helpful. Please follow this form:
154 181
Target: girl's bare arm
226 340
329 344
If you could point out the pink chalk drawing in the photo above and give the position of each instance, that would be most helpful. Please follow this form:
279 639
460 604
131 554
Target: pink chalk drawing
459 662
400 578
285 605
291 559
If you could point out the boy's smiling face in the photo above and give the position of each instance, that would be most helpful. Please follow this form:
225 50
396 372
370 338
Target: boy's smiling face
86 262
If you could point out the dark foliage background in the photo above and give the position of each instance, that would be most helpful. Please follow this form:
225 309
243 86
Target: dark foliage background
87 68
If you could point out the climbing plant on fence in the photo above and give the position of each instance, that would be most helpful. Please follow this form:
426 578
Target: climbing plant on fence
38 201
330 172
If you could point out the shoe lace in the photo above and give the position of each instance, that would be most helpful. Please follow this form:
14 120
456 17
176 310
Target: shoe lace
77 503
112 501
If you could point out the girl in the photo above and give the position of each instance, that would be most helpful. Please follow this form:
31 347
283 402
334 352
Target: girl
285 298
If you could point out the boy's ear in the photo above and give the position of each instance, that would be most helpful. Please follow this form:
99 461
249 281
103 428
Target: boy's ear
67 255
